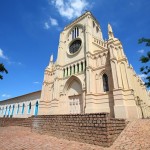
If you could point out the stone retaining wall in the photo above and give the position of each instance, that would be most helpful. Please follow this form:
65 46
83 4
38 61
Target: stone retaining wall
25 122
98 129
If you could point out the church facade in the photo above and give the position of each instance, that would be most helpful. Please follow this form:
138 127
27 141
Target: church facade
92 75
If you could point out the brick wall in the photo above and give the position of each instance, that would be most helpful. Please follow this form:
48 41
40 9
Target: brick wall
26 122
98 129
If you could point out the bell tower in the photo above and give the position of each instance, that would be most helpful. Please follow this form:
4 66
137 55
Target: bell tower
90 74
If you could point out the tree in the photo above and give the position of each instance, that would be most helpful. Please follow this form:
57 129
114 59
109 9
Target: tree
2 69
145 59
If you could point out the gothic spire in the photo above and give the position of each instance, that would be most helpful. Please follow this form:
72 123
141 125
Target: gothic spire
51 58
110 32
51 61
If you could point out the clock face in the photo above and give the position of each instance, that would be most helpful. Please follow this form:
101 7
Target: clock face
74 47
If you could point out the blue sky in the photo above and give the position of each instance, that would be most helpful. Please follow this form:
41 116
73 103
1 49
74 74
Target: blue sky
29 34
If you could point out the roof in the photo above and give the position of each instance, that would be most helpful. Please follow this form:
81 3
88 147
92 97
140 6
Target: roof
80 17
20 96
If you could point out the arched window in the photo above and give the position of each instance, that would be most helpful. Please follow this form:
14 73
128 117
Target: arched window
70 70
93 24
64 72
81 66
75 33
5 111
18 108
74 69
36 108
67 71
12 113
23 108
105 83
72 34
85 65
97 29
9 110
0 111
29 108
77 67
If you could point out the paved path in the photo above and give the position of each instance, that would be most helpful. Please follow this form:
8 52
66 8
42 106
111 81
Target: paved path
20 138
136 136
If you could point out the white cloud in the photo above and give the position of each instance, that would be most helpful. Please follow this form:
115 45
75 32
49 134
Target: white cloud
50 22
6 95
14 63
141 51
7 59
142 76
36 82
53 22
46 25
70 8
2 55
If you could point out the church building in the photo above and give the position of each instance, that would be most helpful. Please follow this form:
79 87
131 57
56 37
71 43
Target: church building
90 75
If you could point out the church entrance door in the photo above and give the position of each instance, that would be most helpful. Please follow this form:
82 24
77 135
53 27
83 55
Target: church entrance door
75 104
73 90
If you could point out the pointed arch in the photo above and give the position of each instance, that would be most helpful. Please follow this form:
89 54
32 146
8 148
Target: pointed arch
18 108
5 111
81 66
79 26
36 108
23 105
69 82
70 70
73 92
63 72
29 108
9 110
124 75
105 82
13 108
67 72
78 69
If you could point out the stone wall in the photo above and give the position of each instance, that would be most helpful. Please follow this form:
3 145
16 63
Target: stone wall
25 122
98 129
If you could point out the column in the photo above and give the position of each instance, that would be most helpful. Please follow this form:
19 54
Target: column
80 68
76 69
68 71
65 72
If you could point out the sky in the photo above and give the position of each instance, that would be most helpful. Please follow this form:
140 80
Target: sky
29 34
